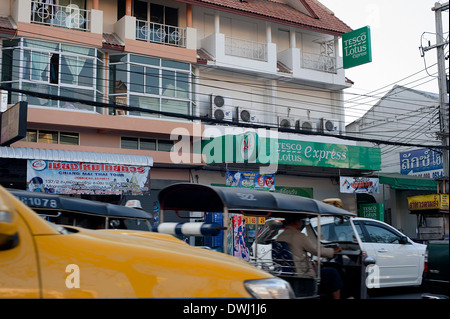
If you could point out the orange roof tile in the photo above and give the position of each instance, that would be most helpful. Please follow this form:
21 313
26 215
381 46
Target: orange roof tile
319 18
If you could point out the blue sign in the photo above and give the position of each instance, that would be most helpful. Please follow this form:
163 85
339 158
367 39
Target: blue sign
422 162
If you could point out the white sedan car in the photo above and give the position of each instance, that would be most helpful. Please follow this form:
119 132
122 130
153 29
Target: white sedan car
398 260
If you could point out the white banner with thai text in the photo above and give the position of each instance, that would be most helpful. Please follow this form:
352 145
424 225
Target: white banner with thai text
359 185
61 177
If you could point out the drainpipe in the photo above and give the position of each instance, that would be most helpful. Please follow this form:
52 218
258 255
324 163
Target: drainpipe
128 8
189 15
216 23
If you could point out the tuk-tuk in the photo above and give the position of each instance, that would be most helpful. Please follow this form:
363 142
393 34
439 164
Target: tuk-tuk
350 262
84 213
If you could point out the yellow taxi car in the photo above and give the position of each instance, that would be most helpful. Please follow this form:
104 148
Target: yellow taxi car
42 260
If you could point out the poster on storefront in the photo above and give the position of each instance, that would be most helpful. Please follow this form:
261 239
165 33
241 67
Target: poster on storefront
366 185
253 180
65 177
240 249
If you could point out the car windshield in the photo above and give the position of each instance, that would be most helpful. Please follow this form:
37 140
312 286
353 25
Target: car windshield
334 229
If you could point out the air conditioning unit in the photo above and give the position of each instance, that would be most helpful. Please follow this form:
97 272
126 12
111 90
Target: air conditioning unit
221 108
246 116
305 125
286 122
329 126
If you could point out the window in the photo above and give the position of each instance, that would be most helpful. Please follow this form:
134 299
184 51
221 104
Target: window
129 143
165 146
31 136
52 137
334 229
150 83
382 235
360 232
68 138
157 13
52 68
48 137
146 144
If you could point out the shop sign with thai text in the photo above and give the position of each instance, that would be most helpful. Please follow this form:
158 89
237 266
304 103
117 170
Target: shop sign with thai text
422 162
428 202
64 177
359 185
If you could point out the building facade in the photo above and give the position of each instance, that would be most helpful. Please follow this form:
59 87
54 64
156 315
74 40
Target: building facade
411 116
157 73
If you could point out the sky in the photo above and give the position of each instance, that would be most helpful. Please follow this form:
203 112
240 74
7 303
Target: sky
397 30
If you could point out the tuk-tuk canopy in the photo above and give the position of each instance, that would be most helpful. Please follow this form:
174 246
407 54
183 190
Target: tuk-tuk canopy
44 201
198 197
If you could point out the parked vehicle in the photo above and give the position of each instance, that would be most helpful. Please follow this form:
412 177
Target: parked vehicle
400 260
39 259
228 200
436 275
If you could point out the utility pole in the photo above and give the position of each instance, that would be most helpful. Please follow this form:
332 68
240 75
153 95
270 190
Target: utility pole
443 84
442 80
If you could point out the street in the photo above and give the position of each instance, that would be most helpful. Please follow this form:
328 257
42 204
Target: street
413 292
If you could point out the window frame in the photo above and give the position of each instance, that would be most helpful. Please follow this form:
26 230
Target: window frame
368 238
182 72
19 72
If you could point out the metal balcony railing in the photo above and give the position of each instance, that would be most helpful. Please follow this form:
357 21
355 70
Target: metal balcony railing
160 33
246 49
319 62
71 16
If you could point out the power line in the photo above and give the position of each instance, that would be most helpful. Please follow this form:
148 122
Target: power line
279 98
207 119
234 71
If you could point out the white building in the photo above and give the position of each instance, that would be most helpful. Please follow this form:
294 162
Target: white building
411 116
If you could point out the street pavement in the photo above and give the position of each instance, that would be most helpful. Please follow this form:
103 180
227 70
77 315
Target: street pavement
414 292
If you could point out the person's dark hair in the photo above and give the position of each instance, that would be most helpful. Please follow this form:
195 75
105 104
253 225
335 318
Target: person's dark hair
289 220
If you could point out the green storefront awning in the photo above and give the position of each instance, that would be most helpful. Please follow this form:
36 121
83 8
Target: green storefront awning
399 181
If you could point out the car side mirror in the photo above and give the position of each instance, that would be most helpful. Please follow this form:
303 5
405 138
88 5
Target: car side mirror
8 229
369 261
404 240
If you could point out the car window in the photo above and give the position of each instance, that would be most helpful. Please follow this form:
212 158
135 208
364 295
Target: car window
335 230
360 232
382 235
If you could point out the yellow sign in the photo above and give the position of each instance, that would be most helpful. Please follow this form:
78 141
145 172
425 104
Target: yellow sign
444 201
251 220
427 202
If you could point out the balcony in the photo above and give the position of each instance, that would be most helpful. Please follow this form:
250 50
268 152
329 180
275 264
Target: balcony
160 33
318 62
242 54
246 49
318 69
71 16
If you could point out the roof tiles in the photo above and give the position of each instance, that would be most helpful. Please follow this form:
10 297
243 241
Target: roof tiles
322 19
